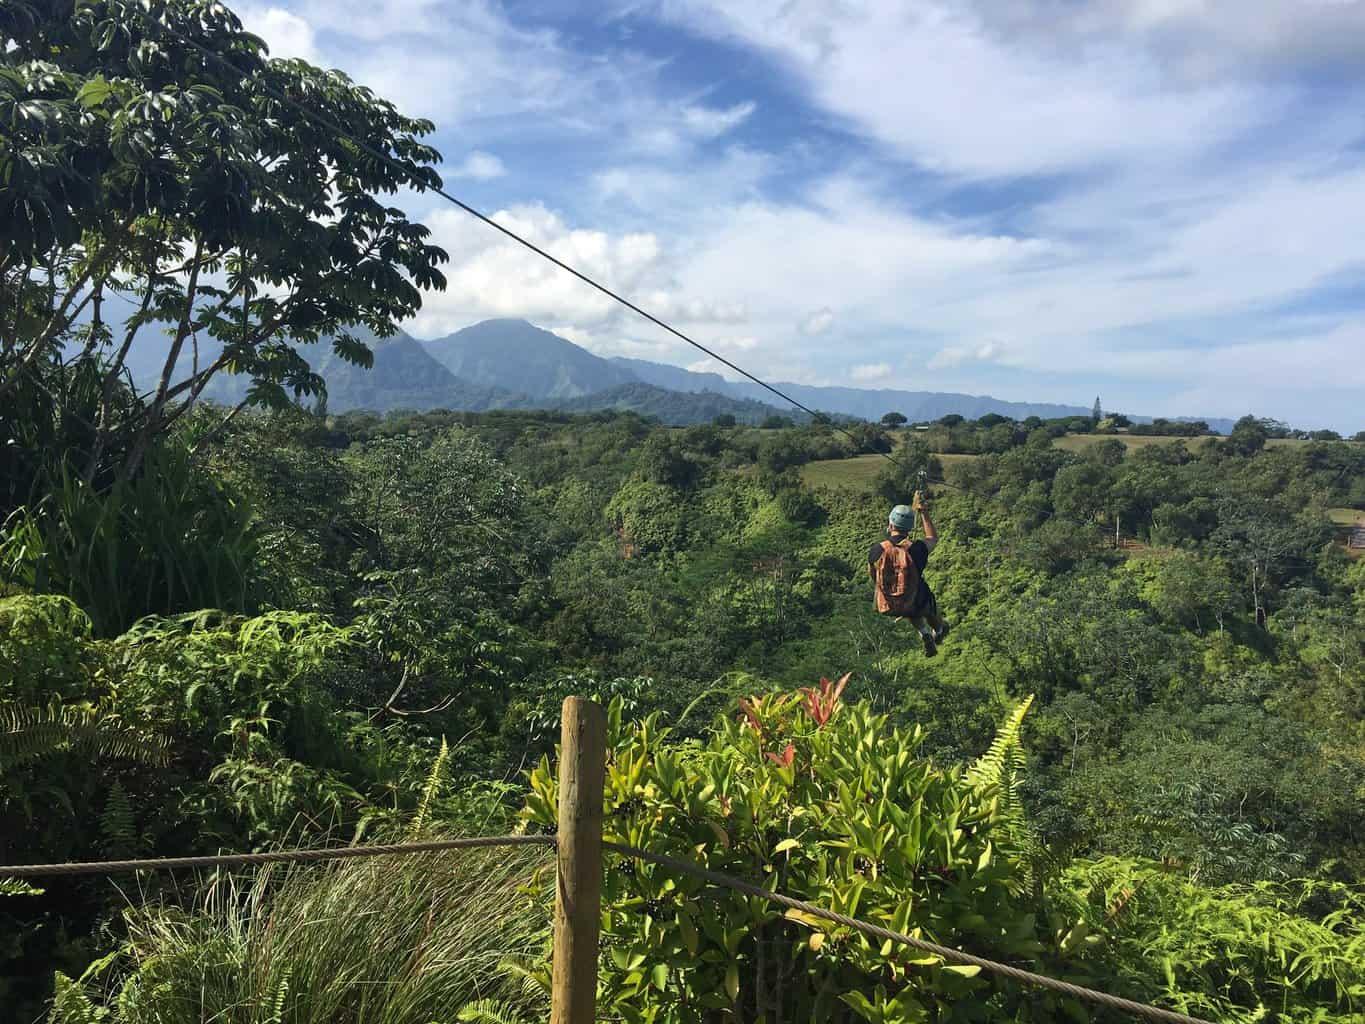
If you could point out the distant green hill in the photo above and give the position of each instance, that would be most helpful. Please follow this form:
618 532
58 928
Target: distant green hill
672 407
519 357
864 403
405 376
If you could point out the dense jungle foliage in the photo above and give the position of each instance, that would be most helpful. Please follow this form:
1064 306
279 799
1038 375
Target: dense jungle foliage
1138 762
308 629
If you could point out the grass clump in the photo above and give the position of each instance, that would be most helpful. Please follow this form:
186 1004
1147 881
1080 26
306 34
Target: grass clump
387 940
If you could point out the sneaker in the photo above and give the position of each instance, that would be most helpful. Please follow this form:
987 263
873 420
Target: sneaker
941 634
930 648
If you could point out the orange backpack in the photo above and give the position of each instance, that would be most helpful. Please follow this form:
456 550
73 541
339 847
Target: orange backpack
897 579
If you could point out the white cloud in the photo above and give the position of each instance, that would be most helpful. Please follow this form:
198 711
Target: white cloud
868 373
373 20
682 195
956 355
818 322
847 242
711 122
1197 38
1044 305
491 276
480 166
931 80
285 33
739 344
470 63
1322 369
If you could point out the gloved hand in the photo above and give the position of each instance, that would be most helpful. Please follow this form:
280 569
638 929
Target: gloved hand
918 503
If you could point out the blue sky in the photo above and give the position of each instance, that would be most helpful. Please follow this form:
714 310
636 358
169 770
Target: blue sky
1160 201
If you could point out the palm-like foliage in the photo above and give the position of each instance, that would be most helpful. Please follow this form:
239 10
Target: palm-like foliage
32 733
170 539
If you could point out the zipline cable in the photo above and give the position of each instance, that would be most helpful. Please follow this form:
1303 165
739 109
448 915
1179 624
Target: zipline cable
369 150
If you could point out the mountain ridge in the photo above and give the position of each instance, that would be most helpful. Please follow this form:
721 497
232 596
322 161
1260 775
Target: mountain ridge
517 356
509 363
864 403
873 403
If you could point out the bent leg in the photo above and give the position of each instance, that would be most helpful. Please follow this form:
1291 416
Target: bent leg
931 615
926 632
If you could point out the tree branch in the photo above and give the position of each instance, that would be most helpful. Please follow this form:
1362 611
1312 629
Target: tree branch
181 332
63 315
217 430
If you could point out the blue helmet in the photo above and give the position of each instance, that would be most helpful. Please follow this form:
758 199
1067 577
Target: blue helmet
903 517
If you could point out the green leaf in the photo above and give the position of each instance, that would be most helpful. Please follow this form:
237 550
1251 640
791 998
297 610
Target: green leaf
862 1005
809 920
984 861
94 92
785 845
688 930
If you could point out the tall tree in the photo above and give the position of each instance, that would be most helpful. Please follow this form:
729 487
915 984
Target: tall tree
1097 412
1260 538
138 166
1248 436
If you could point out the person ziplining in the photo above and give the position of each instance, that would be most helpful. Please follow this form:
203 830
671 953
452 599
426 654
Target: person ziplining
897 566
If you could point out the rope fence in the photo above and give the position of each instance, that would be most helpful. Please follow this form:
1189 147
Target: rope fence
956 956
118 867
579 846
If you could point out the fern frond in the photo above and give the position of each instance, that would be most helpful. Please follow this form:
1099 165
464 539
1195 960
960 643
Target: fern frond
71 1005
117 826
17 887
32 733
531 974
429 791
998 765
1000 770
491 1011
281 997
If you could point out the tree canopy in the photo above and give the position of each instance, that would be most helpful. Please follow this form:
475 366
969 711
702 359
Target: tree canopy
155 183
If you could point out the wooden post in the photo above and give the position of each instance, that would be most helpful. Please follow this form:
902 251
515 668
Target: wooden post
578 893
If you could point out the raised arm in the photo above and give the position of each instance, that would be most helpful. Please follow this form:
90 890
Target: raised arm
930 534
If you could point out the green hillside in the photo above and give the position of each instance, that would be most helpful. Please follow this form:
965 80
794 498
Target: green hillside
404 376
672 407
515 356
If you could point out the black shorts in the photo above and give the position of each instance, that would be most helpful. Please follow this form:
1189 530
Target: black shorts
926 604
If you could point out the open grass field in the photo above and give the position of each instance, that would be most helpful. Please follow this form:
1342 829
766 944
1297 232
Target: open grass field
1084 442
856 473
859 472
1347 516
